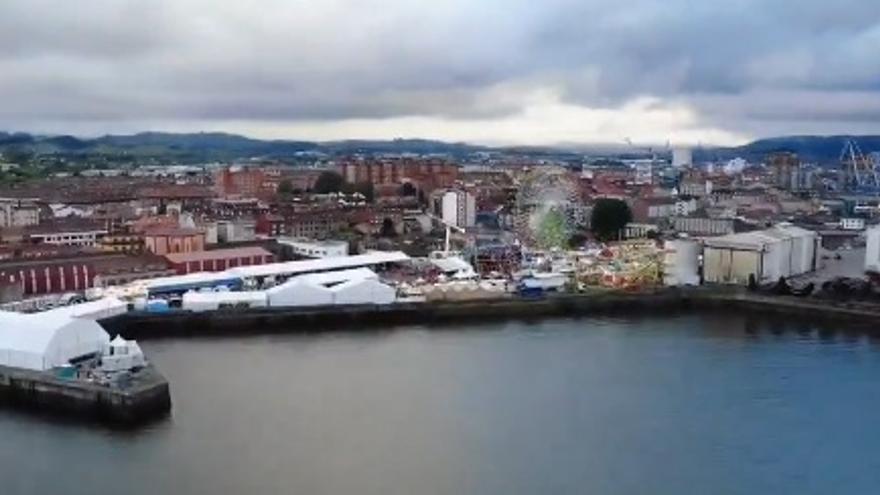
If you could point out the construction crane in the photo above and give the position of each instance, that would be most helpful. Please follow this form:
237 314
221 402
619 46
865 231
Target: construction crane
861 172
449 228
650 149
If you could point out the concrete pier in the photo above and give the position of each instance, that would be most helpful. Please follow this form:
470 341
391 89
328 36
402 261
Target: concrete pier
353 318
145 397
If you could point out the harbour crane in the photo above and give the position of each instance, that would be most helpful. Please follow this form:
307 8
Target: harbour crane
861 171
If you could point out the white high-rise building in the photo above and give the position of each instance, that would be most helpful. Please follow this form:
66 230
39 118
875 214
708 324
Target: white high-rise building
682 157
459 209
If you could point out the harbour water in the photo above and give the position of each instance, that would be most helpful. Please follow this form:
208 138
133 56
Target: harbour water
661 405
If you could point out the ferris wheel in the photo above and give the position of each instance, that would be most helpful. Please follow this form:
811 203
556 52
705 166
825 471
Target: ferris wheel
546 208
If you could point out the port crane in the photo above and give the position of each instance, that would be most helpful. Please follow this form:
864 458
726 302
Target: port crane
861 171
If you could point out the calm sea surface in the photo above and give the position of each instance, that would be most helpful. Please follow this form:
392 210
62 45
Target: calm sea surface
669 405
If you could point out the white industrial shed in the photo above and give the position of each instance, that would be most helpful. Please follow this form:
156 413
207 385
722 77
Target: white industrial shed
781 251
42 341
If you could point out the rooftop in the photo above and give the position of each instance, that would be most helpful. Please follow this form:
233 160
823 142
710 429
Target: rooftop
217 254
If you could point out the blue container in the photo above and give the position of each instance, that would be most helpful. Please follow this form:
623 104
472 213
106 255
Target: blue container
157 306
66 372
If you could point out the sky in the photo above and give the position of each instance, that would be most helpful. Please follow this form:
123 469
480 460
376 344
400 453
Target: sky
482 71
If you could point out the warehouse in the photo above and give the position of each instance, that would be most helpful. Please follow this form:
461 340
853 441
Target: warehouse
218 260
781 251
47 340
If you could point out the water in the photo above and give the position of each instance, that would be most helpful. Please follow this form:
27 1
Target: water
672 405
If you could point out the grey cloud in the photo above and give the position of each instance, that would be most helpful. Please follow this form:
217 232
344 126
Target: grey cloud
277 60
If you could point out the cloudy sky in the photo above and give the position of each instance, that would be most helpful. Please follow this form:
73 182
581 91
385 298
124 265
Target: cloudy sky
487 71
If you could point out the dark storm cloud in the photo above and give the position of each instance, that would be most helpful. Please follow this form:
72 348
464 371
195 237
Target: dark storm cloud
745 65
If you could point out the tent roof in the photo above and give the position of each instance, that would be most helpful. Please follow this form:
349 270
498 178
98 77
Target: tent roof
88 309
25 333
34 332
318 265
451 264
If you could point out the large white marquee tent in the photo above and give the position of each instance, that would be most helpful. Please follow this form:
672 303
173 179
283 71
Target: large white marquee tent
46 340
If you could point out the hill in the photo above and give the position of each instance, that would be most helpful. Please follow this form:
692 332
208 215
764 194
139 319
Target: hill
824 150
162 147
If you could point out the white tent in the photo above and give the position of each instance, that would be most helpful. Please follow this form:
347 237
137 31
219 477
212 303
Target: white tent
95 310
299 292
121 354
364 291
454 265
210 301
45 340
315 289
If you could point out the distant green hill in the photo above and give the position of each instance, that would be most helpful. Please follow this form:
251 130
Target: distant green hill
824 150
215 146
211 146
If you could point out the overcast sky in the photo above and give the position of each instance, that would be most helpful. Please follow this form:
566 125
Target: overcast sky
486 71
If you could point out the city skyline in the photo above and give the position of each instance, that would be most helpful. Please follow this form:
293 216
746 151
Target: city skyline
486 72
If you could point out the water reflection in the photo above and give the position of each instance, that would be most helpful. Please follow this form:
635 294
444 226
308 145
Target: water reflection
711 403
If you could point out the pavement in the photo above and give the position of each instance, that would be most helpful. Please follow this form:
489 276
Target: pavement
851 264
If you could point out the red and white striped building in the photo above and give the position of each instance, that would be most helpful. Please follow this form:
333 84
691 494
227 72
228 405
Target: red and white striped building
218 260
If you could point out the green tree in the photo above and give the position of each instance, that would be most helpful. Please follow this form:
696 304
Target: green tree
329 182
366 188
609 218
553 231
19 155
387 229
285 187
577 240
407 189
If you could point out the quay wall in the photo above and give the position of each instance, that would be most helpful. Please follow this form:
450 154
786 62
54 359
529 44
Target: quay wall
139 325
42 391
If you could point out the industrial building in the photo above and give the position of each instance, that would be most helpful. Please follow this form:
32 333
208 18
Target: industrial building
682 157
308 248
217 260
781 251
872 249
681 263
458 208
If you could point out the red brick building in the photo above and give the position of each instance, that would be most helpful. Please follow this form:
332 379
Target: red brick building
427 174
165 240
77 272
218 260
251 182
